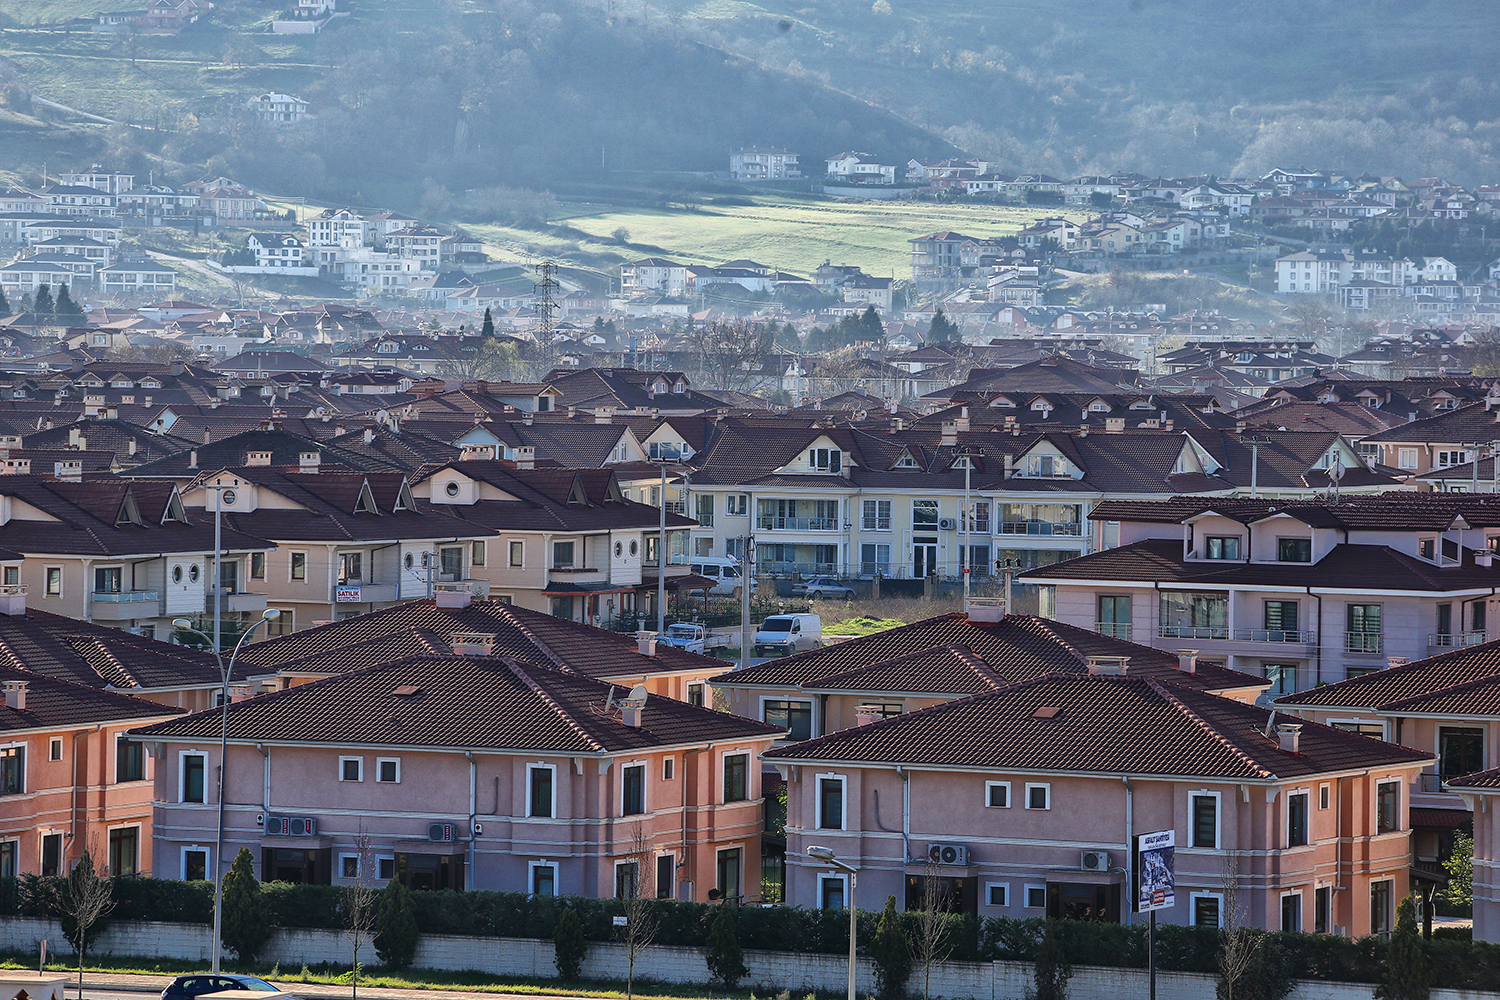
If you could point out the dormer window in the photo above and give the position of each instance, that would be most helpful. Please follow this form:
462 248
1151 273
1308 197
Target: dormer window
1222 547
1427 548
906 462
1294 550
825 460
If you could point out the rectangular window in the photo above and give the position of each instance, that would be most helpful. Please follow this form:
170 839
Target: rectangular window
108 579
666 874
668 768
1039 796
54 748
517 553
1036 897
543 879
1387 807
737 504
1321 901
540 796
1207 910
1296 819
451 562
633 792
1281 618
562 555
299 565
736 777
351 769
194 766
130 761
51 853
1363 635
476 554
1195 615
627 879
997 794
1380 907
1114 616
830 803
124 845
12 770
728 870
1291 912
194 864
831 892
997 894
9 852
385 868
1322 796
388 770
351 567
1294 550
257 565
348 866
795 716
825 460
924 514
1460 751
1222 547
875 515
874 558
54 581
1205 820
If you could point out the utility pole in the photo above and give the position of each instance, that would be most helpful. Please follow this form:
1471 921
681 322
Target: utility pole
1255 443
546 299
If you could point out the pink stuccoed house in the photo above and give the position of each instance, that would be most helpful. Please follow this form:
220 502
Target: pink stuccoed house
1027 799
474 771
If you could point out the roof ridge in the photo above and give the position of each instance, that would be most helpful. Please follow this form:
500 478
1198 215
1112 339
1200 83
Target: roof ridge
1436 692
1171 697
513 664
536 640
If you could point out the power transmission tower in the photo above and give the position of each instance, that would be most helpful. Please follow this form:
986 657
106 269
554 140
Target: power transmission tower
546 290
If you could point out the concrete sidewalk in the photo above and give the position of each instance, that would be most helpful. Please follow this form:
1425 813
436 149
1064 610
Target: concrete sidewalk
129 983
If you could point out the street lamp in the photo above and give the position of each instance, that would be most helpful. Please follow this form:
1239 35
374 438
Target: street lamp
225 670
827 856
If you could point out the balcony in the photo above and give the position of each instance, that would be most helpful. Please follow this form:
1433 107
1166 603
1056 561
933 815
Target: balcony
235 602
126 604
1069 528
768 523
1363 642
1193 632
359 592
577 574
1115 630
475 588
1452 640
1308 638
1435 783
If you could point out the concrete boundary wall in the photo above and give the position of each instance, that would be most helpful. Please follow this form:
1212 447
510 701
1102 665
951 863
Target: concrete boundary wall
770 972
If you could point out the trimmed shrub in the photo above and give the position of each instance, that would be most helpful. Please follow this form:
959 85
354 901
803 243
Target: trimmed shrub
726 962
890 953
247 918
569 945
395 926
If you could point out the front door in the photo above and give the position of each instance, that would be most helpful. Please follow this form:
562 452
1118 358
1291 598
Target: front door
924 558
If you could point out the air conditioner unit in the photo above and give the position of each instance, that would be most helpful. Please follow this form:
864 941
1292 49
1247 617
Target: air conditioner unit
442 833
948 854
291 826
948 524
1094 861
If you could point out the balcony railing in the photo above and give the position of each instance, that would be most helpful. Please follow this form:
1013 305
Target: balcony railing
1445 640
765 523
1362 642
1041 528
1429 782
1275 635
126 597
875 524
1115 630
677 507
1193 632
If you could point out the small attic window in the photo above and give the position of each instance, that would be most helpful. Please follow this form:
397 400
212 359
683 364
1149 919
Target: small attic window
406 690
1047 712
906 462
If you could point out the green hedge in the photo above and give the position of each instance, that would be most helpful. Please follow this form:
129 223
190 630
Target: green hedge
1457 963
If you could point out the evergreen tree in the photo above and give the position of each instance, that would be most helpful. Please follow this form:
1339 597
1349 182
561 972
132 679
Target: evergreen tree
726 961
4 304
869 327
1052 969
42 305
65 307
890 953
569 946
488 329
1406 973
395 926
247 917
26 302
942 329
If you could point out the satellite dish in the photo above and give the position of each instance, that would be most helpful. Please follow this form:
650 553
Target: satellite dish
638 693
383 417
1336 470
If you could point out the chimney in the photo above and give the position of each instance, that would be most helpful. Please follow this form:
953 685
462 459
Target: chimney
645 643
1484 558
1108 666
193 459
985 610
1187 661
112 413
525 457
208 436
256 459
526 418
1290 735
472 643
15 694
866 714
962 422
70 471
630 714
131 446
1239 426
75 438
950 434
452 595
369 434
307 461
1083 430
178 366
604 414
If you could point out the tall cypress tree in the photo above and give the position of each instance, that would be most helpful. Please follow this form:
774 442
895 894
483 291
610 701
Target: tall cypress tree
1406 973
4 304
65 307
42 304
488 329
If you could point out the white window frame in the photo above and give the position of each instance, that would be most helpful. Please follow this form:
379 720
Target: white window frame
1325 795
381 859
360 761
737 505
1281 905
1375 805
1046 787
989 802
1406 458
510 553
531 869
749 756
530 768
843 781
347 856
387 760
1026 896
615 882
1193 898
1218 797
1286 825
291 565
825 877
54 749
989 889
669 768
645 787
182 756
208 859
47 581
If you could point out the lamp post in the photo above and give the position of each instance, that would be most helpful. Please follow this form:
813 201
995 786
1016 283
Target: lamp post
827 856
225 670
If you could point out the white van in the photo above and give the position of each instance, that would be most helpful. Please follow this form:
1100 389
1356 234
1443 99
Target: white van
782 635
723 569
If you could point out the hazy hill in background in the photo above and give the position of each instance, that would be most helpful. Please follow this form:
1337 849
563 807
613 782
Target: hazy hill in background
439 97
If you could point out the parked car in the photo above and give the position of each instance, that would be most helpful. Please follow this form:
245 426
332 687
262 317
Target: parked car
782 635
686 635
819 587
724 569
198 983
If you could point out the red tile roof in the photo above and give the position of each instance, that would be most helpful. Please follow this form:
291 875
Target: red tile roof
1459 681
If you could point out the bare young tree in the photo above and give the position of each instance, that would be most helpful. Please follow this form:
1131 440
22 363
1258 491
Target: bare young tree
360 907
1238 943
638 894
931 930
85 898
731 352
